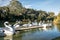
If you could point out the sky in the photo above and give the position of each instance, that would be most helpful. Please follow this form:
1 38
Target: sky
45 5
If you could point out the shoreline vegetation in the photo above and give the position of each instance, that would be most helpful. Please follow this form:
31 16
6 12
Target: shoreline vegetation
16 12
57 19
57 38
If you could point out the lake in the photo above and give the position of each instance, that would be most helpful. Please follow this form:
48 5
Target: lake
36 34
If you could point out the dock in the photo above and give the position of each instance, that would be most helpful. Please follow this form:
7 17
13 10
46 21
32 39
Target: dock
27 28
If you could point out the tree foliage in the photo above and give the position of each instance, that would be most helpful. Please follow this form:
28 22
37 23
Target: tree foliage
15 11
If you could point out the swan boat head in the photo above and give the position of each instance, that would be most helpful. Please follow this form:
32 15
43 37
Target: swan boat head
16 25
6 24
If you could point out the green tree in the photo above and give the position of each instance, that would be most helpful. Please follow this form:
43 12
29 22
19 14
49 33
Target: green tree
15 7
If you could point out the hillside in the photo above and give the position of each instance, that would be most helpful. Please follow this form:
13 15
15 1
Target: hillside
15 11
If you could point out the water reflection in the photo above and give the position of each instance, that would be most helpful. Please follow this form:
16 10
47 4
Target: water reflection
8 38
58 27
36 34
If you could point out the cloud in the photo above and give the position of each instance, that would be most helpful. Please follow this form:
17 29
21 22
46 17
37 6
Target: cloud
47 2
4 2
28 6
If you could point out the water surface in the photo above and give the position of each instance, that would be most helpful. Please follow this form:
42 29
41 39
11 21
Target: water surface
36 34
